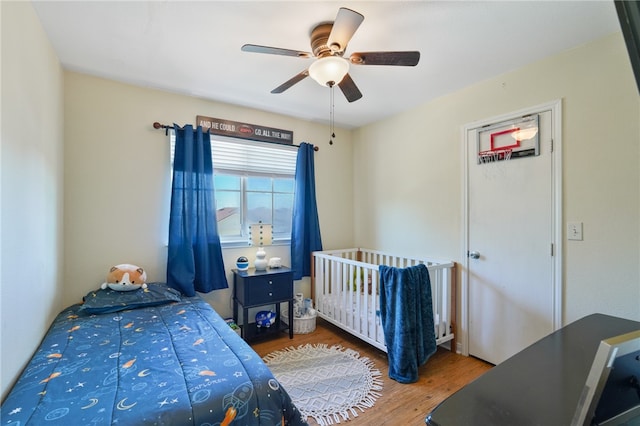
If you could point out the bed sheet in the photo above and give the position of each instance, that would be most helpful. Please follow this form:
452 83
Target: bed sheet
175 364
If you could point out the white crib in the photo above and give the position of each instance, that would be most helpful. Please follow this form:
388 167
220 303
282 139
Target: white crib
345 283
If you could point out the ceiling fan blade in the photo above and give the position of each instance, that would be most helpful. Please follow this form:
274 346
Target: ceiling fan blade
295 79
349 89
275 51
405 59
346 23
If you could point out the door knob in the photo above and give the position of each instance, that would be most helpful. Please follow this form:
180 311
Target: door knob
474 255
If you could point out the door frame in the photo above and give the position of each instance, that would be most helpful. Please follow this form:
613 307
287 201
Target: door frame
556 194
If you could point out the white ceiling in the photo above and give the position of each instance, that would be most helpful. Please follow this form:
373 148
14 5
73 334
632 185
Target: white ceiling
193 47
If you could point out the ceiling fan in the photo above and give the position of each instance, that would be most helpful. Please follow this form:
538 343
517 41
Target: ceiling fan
329 43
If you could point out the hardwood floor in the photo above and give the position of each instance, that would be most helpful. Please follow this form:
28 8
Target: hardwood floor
400 404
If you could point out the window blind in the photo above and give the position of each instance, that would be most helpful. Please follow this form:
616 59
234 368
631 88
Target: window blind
239 156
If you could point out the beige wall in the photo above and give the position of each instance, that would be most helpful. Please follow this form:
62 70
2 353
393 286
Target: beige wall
408 173
117 180
379 196
31 188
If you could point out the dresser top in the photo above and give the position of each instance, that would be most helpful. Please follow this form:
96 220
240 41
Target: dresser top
252 271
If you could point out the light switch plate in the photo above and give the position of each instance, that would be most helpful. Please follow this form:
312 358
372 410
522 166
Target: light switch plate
574 231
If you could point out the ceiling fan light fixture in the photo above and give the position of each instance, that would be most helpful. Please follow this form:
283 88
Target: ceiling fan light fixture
329 70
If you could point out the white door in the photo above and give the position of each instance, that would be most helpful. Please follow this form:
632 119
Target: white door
510 238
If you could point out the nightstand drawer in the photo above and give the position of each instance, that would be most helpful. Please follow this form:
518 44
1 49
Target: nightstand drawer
267 289
262 288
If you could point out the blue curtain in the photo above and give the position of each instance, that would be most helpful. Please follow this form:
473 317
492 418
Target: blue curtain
305 229
194 261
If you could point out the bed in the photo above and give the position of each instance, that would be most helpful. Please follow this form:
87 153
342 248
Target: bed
146 357
345 287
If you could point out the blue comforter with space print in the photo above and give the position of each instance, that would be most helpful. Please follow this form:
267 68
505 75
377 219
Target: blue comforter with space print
175 364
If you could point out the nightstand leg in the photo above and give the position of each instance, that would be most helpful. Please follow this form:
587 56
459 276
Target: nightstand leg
235 311
290 319
245 321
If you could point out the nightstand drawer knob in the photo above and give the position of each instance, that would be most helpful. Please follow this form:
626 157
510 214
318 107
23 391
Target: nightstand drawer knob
270 282
270 294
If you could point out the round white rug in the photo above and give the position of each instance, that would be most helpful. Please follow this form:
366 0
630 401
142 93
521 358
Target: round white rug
329 384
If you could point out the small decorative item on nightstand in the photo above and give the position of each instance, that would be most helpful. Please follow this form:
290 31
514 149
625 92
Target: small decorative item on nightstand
275 262
242 263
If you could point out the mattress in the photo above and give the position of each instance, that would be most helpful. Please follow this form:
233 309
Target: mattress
173 362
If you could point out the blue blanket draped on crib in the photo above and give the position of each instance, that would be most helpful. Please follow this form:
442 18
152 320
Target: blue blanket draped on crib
406 312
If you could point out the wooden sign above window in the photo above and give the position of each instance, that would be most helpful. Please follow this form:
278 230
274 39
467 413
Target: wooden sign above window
239 130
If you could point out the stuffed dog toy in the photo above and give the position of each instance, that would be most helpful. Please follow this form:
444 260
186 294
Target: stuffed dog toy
125 277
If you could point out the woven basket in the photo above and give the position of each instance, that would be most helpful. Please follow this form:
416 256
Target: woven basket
303 325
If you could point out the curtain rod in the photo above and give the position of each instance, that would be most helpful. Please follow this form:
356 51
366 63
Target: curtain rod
166 128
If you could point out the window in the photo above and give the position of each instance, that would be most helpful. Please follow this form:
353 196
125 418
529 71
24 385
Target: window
253 182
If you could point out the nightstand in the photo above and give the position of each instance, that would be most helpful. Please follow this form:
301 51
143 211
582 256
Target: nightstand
253 288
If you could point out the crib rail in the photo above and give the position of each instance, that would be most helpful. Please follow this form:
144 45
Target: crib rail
345 288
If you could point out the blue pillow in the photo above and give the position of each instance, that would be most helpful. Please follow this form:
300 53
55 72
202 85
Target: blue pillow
107 301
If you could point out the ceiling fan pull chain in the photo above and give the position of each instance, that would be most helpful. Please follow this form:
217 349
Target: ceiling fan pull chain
331 114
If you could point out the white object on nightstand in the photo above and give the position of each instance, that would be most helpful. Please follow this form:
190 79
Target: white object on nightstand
275 262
